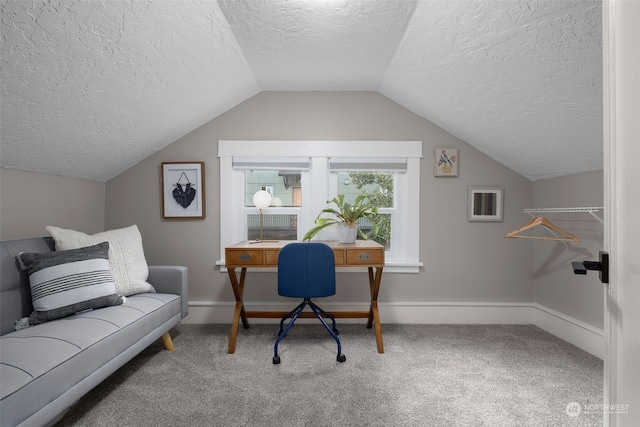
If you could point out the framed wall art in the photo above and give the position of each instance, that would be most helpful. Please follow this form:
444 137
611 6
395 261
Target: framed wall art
183 190
445 161
485 203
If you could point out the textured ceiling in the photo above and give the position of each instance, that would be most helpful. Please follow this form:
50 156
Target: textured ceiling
318 45
90 88
520 81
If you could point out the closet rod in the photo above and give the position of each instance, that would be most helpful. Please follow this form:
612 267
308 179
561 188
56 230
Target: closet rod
593 211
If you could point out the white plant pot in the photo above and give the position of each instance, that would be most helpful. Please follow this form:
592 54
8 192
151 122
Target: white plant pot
348 232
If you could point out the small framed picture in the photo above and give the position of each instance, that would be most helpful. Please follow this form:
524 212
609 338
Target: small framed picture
485 203
445 161
183 190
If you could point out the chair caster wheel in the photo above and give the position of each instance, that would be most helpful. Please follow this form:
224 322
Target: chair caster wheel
341 358
276 360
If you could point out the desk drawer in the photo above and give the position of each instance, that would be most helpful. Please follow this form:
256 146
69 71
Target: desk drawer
338 255
365 257
271 257
245 257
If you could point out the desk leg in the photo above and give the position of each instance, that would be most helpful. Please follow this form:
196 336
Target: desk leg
374 315
239 312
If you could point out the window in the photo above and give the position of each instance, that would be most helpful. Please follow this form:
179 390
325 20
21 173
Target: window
285 187
375 178
302 175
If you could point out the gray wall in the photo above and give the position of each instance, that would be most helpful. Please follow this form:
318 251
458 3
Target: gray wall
555 286
30 201
463 261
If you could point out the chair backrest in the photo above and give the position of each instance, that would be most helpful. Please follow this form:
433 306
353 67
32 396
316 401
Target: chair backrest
306 270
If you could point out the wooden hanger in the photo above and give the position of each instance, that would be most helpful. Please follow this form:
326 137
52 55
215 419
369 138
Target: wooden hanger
560 234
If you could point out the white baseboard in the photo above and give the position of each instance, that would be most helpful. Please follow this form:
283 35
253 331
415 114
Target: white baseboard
455 312
574 331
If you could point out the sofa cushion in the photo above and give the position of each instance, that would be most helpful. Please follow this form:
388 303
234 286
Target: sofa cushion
15 293
80 349
67 282
126 255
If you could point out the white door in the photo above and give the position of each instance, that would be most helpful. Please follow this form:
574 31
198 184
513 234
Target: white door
621 47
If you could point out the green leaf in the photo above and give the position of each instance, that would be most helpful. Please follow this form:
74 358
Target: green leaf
345 212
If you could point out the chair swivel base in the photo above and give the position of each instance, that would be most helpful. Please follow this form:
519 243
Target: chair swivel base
340 358
294 314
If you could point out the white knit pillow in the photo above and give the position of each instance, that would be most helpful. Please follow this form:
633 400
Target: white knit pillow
126 255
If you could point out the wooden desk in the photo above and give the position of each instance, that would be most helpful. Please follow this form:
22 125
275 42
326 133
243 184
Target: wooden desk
243 255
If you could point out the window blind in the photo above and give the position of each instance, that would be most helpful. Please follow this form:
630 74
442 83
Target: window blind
271 163
378 164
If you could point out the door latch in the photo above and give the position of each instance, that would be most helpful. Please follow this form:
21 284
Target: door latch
581 267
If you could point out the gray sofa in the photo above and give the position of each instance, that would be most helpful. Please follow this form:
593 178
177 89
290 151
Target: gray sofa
46 368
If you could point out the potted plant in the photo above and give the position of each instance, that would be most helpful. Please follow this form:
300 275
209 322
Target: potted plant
346 216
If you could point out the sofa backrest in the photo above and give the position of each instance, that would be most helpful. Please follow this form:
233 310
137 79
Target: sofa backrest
15 293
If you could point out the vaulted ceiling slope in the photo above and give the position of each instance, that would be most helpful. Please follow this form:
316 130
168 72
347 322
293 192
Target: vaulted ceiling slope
90 88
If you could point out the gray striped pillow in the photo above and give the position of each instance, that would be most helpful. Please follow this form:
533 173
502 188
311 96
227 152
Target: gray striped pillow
67 282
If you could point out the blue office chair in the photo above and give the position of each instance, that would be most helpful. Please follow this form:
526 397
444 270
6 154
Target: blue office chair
306 270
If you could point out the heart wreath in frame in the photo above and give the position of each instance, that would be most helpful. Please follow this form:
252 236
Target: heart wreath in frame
184 197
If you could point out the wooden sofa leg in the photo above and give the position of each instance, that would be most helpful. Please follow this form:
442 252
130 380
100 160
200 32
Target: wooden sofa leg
166 340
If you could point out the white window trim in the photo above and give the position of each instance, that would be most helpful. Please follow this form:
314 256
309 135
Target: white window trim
406 258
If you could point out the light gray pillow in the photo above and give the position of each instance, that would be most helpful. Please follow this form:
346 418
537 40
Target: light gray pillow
126 255
67 282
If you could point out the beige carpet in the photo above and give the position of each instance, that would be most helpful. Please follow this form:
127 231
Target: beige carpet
429 375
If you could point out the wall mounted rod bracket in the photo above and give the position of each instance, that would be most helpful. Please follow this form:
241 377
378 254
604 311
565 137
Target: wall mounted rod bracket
602 266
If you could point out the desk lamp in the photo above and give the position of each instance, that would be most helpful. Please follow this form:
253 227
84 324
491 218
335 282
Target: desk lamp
261 200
